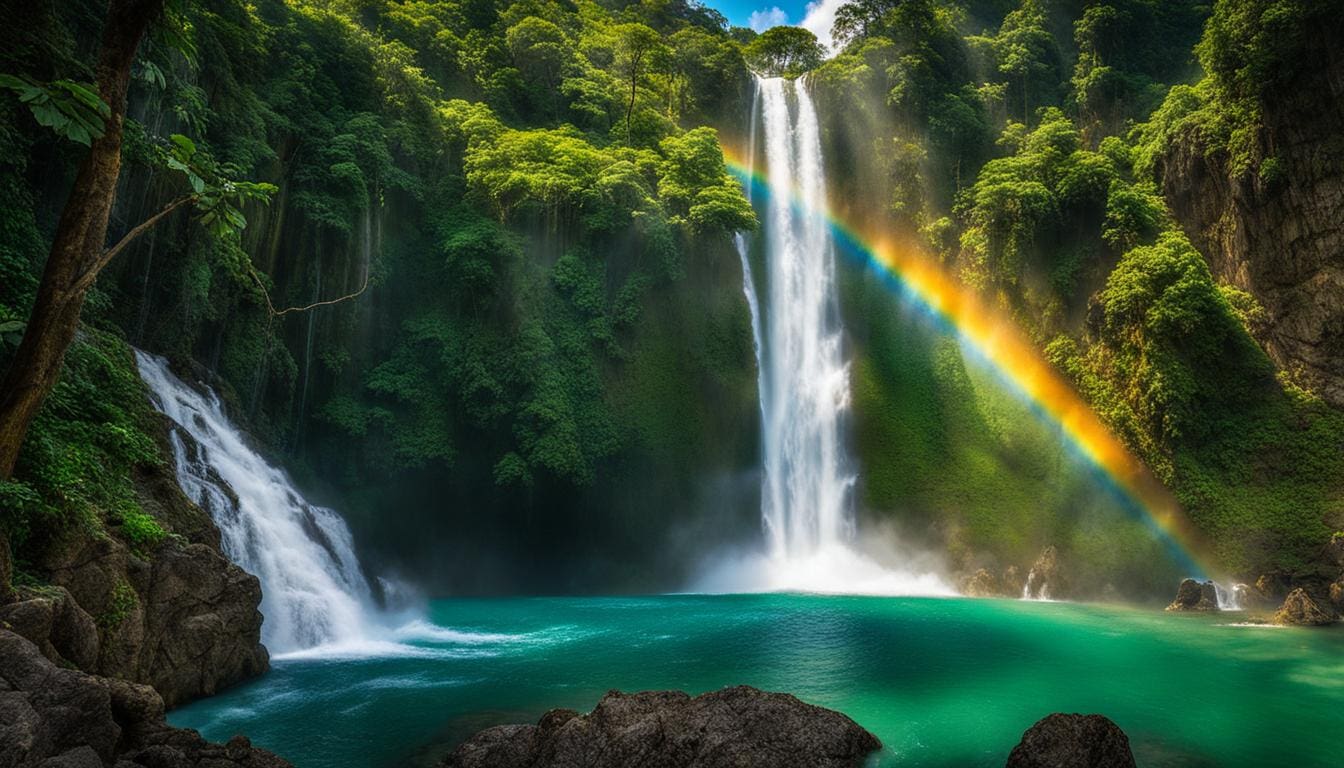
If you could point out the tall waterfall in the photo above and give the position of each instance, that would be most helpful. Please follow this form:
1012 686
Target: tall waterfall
313 592
807 509
805 381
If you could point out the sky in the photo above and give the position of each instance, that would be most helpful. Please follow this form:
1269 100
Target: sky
760 15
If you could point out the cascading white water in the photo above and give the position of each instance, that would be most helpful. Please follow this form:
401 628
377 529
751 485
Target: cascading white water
313 591
806 505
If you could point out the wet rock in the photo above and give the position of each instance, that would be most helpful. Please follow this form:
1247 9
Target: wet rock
981 584
51 717
202 624
1300 609
733 727
1046 580
1194 595
1072 741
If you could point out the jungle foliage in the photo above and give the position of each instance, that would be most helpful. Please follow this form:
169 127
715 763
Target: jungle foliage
532 192
1019 141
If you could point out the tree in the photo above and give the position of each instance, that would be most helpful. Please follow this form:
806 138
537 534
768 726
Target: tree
542 52
858 19
77 252
1025 50
78 245
636 46
785 51
697 187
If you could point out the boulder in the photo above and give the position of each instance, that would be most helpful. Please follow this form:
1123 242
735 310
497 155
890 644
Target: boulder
1072 741
1046 580
732 727
51 619
1337 595
181 618
1300 609
981 584
52 717
1194 595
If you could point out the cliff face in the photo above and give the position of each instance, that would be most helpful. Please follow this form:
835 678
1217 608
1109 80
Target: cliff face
179 617
1280 234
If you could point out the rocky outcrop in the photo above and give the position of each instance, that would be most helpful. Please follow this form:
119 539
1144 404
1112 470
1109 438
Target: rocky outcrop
1047 579
178 615
734 727
184 619
1300 609
1194 595
982 583
61 718
1279 233
1072 741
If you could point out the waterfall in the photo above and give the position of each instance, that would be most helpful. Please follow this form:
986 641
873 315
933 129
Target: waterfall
807 509
313 591
806 494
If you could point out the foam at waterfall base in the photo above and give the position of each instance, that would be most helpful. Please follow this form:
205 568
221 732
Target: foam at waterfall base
418 638
836 569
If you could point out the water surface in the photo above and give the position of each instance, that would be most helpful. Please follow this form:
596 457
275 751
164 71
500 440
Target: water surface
943 682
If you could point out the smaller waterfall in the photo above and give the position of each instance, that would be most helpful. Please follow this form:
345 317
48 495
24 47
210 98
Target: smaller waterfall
313 591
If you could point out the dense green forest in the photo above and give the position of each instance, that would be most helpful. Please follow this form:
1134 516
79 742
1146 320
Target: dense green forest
1024 145
549 330
531 345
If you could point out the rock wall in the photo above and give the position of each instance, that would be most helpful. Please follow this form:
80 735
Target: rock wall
1280 234
61 718
179 617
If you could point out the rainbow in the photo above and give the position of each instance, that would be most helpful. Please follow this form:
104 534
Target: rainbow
996 339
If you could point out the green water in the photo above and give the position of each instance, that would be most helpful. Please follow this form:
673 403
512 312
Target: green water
941 682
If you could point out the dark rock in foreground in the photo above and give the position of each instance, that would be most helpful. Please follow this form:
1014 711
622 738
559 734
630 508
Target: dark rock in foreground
735 727
1072 741
1195 595
1299 609
52 717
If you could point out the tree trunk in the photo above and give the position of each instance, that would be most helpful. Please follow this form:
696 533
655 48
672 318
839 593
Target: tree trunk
79 239
634 81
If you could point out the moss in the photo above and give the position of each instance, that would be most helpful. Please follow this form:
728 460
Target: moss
122 602
78 460
140 530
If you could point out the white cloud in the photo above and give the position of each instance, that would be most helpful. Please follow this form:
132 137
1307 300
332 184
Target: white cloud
819 19
766 18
